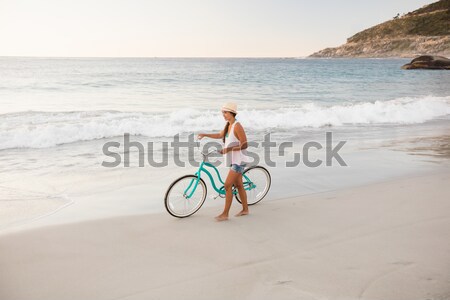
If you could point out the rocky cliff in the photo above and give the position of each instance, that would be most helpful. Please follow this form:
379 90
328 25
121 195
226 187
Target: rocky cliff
423 31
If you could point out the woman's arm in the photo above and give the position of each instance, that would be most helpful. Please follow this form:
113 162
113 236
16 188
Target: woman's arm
211 135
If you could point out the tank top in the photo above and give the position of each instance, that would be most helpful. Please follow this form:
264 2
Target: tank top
238 156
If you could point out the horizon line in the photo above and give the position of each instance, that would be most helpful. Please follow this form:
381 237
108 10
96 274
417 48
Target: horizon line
262 57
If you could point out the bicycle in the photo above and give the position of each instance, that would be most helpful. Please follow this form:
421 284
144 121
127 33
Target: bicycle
186 195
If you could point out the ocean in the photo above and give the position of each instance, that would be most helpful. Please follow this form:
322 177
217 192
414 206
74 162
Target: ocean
56 114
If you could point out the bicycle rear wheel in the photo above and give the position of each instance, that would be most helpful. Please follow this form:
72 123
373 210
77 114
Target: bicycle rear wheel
177 200
257 183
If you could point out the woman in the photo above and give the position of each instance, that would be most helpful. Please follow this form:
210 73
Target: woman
233 135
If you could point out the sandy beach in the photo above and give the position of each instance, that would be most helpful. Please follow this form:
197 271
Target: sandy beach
381 241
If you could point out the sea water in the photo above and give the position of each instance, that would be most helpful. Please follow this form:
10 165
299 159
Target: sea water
56 114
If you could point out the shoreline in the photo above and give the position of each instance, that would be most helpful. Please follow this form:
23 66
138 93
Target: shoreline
379 241
107 204
138 191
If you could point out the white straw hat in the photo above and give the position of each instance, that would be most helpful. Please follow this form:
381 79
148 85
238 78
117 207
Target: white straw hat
230 106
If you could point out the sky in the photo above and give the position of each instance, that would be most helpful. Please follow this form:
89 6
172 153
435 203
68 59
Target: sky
186 28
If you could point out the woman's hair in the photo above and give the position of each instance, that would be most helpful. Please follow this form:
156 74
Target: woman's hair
226 127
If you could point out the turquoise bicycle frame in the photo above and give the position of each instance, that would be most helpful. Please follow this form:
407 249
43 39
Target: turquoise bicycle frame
248 184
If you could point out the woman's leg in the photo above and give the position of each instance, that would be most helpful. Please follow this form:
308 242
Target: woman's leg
242 195
229 182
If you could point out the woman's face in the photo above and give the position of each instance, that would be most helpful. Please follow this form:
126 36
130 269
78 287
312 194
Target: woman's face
227 115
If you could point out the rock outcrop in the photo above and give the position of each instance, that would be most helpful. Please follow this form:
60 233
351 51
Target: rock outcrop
428 62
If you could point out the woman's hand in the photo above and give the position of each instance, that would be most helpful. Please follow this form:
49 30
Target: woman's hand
200 136
224 151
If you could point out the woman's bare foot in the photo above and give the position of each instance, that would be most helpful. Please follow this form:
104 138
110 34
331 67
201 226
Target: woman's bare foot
241 213
221 217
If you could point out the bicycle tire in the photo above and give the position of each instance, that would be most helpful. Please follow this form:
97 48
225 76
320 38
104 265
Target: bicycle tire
170 205
259 196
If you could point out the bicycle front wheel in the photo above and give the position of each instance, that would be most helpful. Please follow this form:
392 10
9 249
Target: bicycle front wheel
185 196
257 183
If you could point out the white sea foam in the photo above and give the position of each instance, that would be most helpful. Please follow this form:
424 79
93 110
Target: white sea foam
35 129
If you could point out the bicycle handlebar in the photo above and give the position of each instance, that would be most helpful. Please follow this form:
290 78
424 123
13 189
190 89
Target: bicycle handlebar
210 152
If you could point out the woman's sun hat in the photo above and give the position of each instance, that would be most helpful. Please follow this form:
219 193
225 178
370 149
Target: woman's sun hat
230 106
